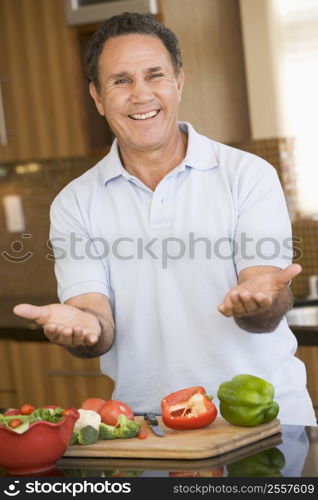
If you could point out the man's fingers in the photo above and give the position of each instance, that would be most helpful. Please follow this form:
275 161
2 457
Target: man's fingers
244 303
70 337
29 311
50 328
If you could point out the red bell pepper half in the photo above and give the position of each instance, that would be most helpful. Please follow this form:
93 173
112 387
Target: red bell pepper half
189 408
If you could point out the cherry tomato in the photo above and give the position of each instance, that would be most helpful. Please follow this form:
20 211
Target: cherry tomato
111 410
13 411
94 404
142 434
27 409
15 422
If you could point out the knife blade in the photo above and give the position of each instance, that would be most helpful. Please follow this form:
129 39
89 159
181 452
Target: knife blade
153 423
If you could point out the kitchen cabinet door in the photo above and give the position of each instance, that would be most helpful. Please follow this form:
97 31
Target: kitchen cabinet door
7 381
45 374
309 355
72 380
41 82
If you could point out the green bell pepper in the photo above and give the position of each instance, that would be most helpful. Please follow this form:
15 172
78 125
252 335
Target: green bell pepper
247 400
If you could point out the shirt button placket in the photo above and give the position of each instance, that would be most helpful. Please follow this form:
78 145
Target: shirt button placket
159 214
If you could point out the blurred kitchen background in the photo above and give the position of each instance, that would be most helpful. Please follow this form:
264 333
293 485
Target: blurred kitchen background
251 81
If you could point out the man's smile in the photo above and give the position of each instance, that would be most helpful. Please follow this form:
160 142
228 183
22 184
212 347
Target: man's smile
144 116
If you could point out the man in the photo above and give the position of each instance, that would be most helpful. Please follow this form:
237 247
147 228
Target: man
164 249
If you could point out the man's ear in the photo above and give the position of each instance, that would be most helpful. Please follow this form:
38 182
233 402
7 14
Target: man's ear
98 102
180 82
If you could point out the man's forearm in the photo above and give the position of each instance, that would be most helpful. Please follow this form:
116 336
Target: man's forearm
103 344
267 321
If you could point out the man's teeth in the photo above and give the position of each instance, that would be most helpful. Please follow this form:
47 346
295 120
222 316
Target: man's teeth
144 116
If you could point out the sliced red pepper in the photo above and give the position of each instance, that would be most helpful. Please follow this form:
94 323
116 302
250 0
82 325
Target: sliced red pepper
189 408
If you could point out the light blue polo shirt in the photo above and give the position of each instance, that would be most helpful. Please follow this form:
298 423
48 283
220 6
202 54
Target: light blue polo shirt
166 258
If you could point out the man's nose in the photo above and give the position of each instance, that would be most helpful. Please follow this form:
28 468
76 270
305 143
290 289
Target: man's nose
141 91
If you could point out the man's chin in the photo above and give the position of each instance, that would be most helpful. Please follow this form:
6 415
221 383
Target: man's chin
145 144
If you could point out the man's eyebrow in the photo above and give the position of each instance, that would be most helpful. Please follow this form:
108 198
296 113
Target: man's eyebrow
152 70
115 76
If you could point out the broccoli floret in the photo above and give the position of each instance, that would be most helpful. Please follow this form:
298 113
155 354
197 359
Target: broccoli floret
107 431
74 438
127 428
87 435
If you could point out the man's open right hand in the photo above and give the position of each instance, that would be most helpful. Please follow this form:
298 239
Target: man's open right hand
65 325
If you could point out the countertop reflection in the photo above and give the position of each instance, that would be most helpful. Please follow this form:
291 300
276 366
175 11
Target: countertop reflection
290 453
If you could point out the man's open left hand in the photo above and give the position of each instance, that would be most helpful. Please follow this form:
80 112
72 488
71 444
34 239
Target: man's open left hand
257 293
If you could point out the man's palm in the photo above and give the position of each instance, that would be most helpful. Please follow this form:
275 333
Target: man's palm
63 324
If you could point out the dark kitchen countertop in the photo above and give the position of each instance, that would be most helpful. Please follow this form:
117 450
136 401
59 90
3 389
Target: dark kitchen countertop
293 452
297 447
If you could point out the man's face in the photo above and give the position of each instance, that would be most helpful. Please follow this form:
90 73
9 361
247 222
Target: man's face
139 91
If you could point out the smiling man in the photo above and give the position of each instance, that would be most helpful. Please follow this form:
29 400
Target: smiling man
140 102
181 269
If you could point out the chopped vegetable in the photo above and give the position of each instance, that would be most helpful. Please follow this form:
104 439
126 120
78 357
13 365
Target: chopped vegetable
73 438
27 409
247 400
87 417
87 435
94 404
188 408
142 434
107 431
20 422
126 428
15 422
111 410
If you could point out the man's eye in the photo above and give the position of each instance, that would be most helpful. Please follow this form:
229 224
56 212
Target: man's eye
121 81
156 75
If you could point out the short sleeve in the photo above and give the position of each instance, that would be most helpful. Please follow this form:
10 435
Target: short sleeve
78 267
263 231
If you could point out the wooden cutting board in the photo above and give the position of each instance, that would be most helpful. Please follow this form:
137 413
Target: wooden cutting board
218 438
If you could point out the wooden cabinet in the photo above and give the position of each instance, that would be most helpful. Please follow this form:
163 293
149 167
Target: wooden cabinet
7 381
215 92
47 110
41 82
41 373
309 355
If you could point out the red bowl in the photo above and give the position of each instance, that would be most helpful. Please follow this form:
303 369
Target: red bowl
38 448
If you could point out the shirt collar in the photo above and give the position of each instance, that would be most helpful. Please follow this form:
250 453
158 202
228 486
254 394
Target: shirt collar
200 155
